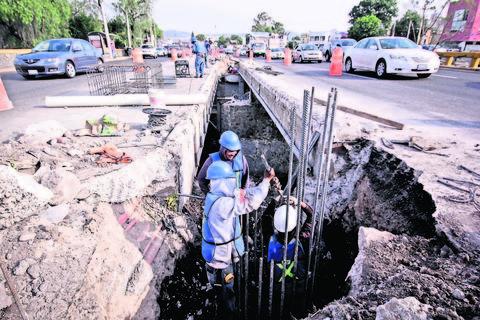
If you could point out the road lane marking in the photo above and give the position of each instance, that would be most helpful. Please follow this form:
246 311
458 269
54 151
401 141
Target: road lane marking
442 76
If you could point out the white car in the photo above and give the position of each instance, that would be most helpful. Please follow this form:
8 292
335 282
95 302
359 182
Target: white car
277 53
149 51
387 55
259 49
307 52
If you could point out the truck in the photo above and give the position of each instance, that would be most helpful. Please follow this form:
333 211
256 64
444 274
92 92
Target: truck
259 49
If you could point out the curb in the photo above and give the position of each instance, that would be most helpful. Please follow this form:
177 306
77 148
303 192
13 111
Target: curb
459 68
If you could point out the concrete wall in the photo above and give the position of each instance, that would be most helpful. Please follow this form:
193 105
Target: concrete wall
257 133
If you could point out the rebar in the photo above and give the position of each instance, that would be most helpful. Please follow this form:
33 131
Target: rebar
324 185
260 282
270 290
245 287
301 180
289 191
318 184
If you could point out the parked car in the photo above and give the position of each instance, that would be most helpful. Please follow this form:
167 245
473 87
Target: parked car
149 50
244 51
161 52
307 52
387 55
277 53
58 56
229 50
259 49
345 44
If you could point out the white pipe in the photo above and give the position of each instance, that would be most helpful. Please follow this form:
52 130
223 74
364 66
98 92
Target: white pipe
122 100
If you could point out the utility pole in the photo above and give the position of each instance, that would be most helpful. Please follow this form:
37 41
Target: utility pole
129 35
105 26
393 28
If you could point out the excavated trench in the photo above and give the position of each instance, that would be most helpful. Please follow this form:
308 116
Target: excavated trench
368 187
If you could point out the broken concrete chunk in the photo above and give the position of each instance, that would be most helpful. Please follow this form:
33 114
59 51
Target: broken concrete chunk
403 309
44 131
458 294
5 299
75 153
55 214
27 236
63 183
22 266
34 271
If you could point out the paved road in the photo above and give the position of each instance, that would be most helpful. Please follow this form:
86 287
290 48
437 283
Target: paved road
26 94
449 98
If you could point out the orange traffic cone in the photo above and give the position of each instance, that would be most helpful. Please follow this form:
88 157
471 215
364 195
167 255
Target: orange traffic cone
250 55
287 59
268 56
5 103
137 56
337 64
174 54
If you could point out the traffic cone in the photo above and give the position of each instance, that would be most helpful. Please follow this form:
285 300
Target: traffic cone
287 59
250 55
5 103
174 54
268 56
137 56
337 64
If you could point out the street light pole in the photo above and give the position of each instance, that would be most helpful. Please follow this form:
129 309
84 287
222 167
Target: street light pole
105 26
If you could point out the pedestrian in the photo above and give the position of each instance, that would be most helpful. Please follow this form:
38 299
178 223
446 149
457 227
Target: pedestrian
200 51
230 152
222 241
207 47
294 301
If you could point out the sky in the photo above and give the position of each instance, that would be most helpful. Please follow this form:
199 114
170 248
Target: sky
223 16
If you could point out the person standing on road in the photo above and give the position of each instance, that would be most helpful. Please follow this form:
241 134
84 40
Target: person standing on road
230 152
222 241
207 46
200 52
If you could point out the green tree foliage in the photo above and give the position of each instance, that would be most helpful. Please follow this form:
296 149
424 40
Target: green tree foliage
118 31
27 22
401 27
385 10
223 40
81 24
264 23
201 37
237 38
138 13
368 26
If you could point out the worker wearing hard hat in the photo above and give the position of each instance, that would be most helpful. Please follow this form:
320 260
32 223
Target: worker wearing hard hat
230 152
276 248
200 53
222 241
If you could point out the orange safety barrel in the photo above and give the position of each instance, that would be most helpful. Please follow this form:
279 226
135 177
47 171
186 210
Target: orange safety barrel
336 65
174 54
137 56
250 55
287 59
268 55
5 103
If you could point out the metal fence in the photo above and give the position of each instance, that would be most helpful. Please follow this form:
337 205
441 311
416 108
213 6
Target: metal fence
125 79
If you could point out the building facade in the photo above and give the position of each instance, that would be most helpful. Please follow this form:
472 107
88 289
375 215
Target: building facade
463 24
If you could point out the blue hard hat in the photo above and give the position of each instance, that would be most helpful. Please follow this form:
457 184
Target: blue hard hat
230 141
220 170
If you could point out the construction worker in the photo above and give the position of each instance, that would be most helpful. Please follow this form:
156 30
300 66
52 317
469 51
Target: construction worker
222 241
200 52
230 152
276 250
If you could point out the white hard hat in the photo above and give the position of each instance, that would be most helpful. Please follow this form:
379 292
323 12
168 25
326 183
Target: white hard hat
280 217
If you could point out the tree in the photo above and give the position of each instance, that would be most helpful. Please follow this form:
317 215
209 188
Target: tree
81 24
368 26
410 20
223 41
264 23
385 10
201 37
28 22
237 38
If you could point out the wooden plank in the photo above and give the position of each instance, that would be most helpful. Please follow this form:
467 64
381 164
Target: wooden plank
366 115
